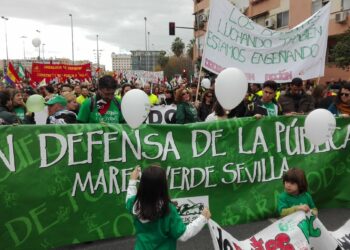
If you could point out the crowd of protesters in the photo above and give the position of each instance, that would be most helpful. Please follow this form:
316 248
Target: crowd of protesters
84 102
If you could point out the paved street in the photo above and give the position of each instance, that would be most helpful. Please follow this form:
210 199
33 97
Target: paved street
331 218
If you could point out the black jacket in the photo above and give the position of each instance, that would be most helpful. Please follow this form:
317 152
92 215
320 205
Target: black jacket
7 117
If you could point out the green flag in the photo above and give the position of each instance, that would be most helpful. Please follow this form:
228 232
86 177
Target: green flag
21 71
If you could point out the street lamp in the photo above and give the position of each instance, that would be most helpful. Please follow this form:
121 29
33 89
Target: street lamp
24 47
39 44
7 52
71 25
44 52
148 55
98 58
145 18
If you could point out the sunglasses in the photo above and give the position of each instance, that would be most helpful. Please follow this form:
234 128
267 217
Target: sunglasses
185 93
209 96
345 94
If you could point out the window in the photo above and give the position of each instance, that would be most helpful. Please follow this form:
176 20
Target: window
199 24
282 19
260 20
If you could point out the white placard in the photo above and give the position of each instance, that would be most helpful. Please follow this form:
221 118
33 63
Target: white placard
234 40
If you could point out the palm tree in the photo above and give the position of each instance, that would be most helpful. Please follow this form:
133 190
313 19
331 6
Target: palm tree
177 47
190 46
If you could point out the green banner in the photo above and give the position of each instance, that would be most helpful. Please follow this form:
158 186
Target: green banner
66 184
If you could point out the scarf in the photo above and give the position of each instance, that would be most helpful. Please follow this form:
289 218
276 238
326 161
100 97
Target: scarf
343 108
103 106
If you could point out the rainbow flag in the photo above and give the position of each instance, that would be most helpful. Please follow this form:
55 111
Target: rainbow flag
12 77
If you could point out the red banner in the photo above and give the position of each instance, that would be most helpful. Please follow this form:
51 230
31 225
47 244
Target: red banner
59 71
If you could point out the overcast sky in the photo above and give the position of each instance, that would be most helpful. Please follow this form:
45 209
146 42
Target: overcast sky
120 25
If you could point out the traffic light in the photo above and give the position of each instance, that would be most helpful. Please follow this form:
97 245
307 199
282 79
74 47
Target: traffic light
171 28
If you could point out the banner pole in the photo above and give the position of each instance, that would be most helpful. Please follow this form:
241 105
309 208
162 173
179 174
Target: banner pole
198 84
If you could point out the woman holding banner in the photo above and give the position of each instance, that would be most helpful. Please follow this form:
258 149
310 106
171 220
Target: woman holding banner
6 117
19 108
341 106
186 112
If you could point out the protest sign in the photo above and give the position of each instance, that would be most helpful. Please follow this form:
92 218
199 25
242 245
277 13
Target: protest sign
162 114
234 40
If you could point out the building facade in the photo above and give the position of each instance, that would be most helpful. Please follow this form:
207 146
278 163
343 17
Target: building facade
145 60
282 15
121 62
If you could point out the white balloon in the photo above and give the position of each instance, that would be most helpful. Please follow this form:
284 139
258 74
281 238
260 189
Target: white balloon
135 107
231 86
205 83
41 116
319 126
36 42
35 103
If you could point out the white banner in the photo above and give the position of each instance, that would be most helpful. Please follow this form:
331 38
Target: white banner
296 231
343 235
146 76
162 114
234 40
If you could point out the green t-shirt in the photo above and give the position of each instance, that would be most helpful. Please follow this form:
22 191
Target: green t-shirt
270 108
113 114
160 234
286 200
20 112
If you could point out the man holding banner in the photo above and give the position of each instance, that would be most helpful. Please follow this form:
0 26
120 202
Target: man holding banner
296 101
265 105
103 107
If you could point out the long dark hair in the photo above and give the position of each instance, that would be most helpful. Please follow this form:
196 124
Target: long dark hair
152 198
5 96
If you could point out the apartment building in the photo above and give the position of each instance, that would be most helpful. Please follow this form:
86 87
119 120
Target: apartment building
121 62
145 60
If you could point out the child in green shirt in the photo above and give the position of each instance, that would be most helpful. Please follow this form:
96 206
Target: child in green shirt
157 222
295 197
